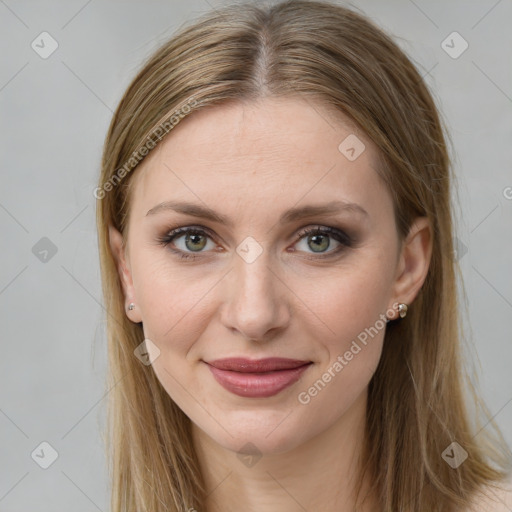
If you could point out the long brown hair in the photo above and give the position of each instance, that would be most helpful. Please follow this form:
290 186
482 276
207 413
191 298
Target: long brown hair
418 399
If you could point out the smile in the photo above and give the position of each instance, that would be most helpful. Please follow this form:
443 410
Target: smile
257 379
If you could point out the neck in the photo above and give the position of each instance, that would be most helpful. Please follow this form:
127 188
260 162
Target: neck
319 474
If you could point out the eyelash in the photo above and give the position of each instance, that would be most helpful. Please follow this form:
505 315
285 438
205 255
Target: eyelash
340 236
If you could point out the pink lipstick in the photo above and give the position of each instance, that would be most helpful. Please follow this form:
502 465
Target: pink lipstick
257 378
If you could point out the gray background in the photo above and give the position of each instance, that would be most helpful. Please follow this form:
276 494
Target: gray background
54 116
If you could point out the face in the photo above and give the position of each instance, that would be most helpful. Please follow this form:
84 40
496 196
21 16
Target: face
259 283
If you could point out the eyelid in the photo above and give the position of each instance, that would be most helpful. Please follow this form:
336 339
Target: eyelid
328 230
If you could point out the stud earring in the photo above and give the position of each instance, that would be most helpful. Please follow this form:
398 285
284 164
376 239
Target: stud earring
131 306
402 310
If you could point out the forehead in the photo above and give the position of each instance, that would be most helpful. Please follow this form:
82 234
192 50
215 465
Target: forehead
270 153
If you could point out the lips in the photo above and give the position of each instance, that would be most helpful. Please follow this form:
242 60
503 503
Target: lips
257 378
239 364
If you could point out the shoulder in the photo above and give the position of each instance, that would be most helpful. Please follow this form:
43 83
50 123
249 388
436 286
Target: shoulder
494 498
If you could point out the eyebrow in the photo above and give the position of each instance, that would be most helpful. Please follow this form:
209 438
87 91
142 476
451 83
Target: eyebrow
293 214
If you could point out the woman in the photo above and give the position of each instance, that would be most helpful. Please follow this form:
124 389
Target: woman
276 249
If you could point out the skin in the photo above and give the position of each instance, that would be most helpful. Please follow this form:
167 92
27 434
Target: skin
250 162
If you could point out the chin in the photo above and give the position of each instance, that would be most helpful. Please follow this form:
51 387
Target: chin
260 443
254 432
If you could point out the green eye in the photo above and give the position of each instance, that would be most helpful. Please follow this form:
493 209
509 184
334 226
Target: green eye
317 239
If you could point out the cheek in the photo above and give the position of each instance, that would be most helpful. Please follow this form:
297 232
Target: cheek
172 302
349 323
355 313
348 298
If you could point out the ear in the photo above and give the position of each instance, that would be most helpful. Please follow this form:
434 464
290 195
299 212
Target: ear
413 262
123 267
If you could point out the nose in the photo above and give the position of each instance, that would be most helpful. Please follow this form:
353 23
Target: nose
257 305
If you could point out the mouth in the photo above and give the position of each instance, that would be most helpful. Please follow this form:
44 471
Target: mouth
257 378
